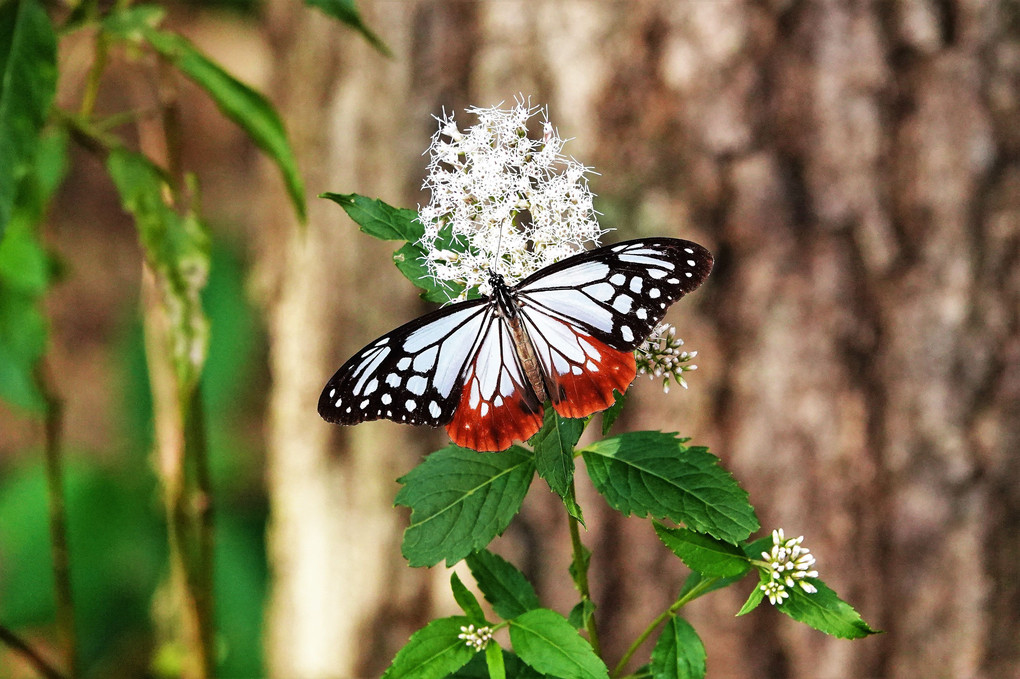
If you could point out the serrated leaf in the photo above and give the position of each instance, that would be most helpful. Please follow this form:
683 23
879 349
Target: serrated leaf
754 549
466 600
554 456
502 584
679 653
433 652
654 473
546 641
825 612
249 109
581 613
460 500
177 248
610 414
347 12
703 553
28 81
377 218
753 600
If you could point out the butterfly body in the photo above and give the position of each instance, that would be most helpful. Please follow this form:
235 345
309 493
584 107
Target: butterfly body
484 368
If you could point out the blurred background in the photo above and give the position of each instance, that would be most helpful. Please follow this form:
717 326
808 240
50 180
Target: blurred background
854 166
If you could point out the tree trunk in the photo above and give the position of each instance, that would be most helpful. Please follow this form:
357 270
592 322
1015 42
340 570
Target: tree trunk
853 165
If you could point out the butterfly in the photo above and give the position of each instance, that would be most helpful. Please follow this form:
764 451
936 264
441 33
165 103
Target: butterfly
484 368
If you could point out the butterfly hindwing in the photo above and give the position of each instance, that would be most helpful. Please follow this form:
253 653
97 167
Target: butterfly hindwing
497 404
411 375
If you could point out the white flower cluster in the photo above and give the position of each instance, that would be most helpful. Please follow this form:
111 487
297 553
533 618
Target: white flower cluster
788 564
478 638
661 356
517 204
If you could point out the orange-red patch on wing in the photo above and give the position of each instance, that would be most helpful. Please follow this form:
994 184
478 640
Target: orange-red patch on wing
494 425
588 388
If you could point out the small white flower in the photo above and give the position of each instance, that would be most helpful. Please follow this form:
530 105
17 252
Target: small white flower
661 356
788 563
515 204
475 638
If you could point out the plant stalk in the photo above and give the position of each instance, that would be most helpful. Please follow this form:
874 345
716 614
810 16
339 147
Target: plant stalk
63 598
32 656
581 579
695 592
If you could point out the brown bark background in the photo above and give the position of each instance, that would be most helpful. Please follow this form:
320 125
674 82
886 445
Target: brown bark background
853 165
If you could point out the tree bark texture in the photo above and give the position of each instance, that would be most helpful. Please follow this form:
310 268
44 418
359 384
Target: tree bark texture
853 165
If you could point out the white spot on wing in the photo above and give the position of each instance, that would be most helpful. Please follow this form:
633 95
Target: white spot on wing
416 385
393 379
603 292
626 333
424 361
636 283
332 393
623 304
434 409
650 261
656 273
618 279
654 293
386 399
372 386
409 404
642 313
404 363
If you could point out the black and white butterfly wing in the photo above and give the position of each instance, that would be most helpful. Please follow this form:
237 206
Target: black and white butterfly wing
586 314
413 374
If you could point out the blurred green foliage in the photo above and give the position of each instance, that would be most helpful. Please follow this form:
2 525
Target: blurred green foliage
115 517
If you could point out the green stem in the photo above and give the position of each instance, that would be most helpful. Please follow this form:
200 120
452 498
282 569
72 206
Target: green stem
581 577
58 522
95 76
693 594
22 647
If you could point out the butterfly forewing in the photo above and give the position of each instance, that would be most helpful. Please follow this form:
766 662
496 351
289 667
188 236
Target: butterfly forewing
618 293
412 375
585 315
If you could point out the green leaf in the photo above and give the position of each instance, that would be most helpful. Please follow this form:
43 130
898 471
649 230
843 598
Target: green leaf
28 82
466 600
378 219
478 668
177 248
494 661
502 584
386 222
703 553
753 600
239 102
610 414
546 641
825 611
679 653
25 275
433 652
581 613
554 456
347 12
460 500
655 473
